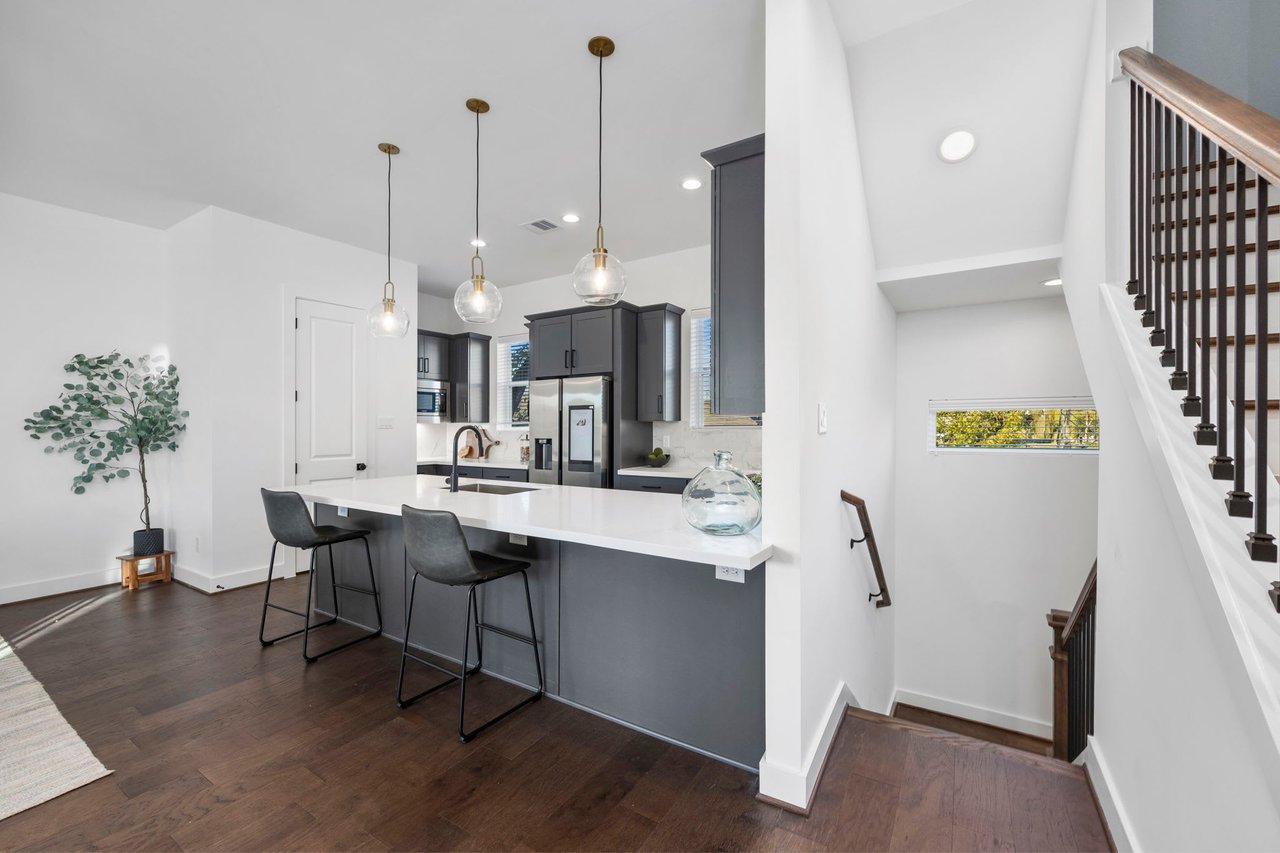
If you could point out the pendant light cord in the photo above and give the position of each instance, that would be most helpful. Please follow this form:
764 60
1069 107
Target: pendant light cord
388 216
600 150
477 232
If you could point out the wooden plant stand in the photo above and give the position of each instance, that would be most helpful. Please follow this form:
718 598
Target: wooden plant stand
129 577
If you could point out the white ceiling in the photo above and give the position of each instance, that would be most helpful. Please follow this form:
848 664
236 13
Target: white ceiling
149 110
989 282
1011 71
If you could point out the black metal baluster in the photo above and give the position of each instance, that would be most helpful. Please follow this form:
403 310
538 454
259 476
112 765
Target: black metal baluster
1191 402
1239 501
1221 465
1261 544
1178 379
1135 175
1152 179
1166 275
1206 432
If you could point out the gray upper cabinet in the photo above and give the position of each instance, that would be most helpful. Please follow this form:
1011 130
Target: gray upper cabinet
592 350
575 343
433 356
737 277
469 369
658 363
551 339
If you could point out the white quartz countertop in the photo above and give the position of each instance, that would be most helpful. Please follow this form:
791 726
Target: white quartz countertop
472 463
639 522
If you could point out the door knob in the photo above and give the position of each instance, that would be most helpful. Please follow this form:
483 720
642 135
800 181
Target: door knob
360 466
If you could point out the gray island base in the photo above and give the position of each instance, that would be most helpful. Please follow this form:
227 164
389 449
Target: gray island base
657 644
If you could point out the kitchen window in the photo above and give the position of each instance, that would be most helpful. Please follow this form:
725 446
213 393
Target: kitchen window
1060 425
700 378
513 381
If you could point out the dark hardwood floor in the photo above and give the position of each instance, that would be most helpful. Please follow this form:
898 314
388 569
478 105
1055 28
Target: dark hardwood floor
219 744
981 731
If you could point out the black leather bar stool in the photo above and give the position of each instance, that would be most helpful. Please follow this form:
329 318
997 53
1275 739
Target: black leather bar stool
437 550
291 525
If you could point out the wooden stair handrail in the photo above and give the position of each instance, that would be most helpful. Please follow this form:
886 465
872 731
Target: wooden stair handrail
869 536
1243 129
1087 594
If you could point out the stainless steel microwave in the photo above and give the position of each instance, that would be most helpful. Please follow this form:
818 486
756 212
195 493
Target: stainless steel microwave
433 401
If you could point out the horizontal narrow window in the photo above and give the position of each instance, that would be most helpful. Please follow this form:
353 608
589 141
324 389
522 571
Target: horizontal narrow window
1046 424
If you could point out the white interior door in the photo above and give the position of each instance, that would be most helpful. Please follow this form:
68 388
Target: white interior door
331 374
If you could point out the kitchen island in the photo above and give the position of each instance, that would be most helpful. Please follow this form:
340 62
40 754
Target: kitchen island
632 620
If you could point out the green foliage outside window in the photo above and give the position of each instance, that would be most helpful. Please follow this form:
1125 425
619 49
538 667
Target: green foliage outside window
1035 429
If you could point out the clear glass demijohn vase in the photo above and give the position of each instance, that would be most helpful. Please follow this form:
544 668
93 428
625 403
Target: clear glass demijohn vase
721 500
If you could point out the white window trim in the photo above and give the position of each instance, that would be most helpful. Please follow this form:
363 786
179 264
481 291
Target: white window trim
962 405
504 383
696 386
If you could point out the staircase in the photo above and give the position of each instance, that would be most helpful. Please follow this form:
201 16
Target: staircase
1205 275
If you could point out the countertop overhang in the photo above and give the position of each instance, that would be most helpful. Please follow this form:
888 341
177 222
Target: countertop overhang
637 522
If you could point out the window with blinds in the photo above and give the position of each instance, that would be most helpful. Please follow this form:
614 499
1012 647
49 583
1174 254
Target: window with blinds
1054 425
700 377
513 381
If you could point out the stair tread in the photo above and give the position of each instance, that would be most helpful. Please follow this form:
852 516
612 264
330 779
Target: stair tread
1213 253
1249 340
1249 290
1251 213
1231 187
1213 164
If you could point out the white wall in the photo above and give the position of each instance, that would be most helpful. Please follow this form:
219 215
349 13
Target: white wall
829 336
73 282
235 281
1229 43
1177 756
987 543
682 278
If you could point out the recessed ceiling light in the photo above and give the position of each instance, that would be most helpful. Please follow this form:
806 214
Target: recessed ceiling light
691 183
1052 282
479 244
570 217
956 146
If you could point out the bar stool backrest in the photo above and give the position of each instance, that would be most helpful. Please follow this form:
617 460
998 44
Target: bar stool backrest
437 547
288 519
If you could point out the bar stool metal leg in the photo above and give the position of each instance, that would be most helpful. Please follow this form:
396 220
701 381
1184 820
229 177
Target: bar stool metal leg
464 735
334 585
266 603
405 654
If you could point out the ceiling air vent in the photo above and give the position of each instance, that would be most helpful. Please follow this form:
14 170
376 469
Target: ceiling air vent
540 226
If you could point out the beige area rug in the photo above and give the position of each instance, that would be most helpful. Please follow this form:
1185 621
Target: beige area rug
41 756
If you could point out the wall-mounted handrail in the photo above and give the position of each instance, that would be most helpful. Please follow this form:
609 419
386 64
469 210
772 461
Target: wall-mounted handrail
1250 133
881 598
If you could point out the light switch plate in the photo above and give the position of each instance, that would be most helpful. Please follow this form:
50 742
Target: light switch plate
666 442
822 419
519 539
342 512
728 573
386 422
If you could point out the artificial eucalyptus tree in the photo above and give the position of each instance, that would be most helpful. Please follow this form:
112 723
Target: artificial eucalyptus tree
115 406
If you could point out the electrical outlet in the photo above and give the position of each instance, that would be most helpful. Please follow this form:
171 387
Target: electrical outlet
342 512
822 419
518 539
666 442
197 544
728 573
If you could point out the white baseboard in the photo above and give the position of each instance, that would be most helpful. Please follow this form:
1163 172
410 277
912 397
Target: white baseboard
54 586
795 785
1035 728
1112 811
221 583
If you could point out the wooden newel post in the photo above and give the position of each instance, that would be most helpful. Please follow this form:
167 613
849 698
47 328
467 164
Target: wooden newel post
1057 620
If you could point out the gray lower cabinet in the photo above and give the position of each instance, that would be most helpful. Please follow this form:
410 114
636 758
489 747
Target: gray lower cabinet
551 339
661 485
469 375
433 356
658 363
737 277
477 472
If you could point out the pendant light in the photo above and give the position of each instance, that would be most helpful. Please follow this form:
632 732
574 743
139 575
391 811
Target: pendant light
477 299
599 278
386 318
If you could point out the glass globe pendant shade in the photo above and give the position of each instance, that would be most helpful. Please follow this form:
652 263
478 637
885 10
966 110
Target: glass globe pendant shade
599 278
477 300
386 318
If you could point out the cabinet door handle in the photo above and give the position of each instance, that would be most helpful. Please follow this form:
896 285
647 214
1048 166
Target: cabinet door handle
652 488
660 411
426 364
566 359
502 476
573 358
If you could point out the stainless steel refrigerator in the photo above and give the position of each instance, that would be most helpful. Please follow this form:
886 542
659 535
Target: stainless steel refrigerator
569 431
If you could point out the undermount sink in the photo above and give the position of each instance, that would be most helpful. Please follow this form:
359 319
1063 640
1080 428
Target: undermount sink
492 488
